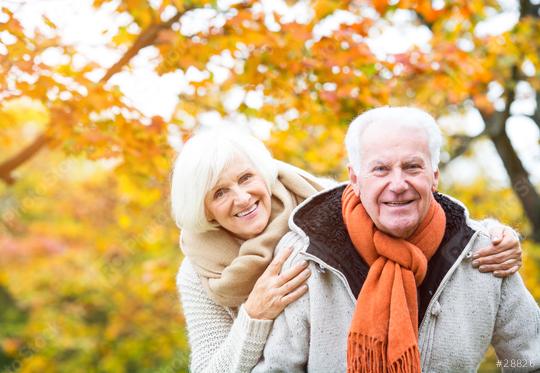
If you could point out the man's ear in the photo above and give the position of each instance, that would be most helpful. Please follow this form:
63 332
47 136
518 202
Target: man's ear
435 180
354 180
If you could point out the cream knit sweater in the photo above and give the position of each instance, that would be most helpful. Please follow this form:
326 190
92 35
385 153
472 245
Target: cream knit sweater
221 339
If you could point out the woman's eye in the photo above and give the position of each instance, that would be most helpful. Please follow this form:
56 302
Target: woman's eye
219 193
245 177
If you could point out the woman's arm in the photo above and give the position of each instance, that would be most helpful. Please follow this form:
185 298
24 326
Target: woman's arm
221 343
503 257
218 342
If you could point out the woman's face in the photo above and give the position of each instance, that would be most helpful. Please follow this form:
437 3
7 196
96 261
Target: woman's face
240 200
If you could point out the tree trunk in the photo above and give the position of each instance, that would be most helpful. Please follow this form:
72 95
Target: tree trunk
519 178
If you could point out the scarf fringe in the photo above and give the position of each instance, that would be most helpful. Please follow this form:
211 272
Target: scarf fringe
368 355
365 354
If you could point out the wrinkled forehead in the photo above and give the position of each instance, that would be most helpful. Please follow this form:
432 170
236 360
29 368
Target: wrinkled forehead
395 124
392 138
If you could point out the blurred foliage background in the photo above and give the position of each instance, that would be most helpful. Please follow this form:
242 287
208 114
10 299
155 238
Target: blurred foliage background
88 251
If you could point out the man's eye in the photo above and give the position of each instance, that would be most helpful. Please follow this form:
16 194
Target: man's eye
379 169
413 166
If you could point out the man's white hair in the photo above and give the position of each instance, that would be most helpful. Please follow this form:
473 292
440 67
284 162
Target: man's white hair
197 170
408 116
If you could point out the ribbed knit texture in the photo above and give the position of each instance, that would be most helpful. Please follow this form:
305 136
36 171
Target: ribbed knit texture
221 339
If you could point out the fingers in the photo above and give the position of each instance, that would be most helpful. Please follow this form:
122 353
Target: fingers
508 242
496 258
496 233
291 273
499 267
268 299
294 295
507 272
509 239
491 250
296 281
275 265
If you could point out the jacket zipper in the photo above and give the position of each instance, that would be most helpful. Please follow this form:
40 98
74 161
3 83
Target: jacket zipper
428 317
326 266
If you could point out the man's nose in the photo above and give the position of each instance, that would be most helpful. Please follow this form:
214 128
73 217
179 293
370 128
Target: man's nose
398 183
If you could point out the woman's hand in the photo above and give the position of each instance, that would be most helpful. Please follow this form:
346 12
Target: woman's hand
503 258
274 291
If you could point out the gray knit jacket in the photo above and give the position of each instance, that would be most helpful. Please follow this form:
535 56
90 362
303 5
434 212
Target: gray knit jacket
462 310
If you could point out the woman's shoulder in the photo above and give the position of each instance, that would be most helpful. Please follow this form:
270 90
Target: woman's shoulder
187 275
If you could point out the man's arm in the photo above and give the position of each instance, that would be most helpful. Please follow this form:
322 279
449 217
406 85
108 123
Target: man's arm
516 337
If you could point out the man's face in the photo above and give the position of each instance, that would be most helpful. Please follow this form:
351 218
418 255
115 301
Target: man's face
396 179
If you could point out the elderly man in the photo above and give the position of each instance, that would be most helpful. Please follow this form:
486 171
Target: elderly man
393 288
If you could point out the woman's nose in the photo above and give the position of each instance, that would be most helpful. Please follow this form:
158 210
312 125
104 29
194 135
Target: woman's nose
241 196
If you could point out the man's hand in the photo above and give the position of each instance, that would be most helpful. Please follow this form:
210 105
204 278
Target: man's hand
503 258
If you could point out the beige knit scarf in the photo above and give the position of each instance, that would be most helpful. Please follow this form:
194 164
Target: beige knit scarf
228 266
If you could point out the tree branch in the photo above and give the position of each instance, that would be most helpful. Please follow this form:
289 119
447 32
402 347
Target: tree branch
146 38
464 143
7 167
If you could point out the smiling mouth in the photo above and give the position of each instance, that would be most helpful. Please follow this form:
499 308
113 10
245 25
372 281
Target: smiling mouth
398 204
241 214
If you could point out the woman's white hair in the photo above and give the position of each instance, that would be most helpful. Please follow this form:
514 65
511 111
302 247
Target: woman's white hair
197 170
409 116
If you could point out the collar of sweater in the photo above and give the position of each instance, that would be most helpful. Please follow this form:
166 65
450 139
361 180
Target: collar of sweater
320 219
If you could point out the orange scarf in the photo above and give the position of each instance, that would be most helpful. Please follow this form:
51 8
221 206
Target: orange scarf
384 330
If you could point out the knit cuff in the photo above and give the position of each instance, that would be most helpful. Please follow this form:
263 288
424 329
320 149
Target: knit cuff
254 328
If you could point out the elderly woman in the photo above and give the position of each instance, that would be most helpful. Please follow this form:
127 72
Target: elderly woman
232 201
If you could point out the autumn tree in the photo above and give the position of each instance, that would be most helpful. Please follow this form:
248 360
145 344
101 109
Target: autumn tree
308 65
303 69
464 65
312 83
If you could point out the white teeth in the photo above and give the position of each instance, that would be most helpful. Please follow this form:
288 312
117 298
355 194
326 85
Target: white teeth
244 213
397 203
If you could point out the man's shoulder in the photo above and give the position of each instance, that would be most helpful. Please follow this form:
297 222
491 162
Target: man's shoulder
318 212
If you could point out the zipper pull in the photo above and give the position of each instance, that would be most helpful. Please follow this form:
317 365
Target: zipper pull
321 268
436 309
